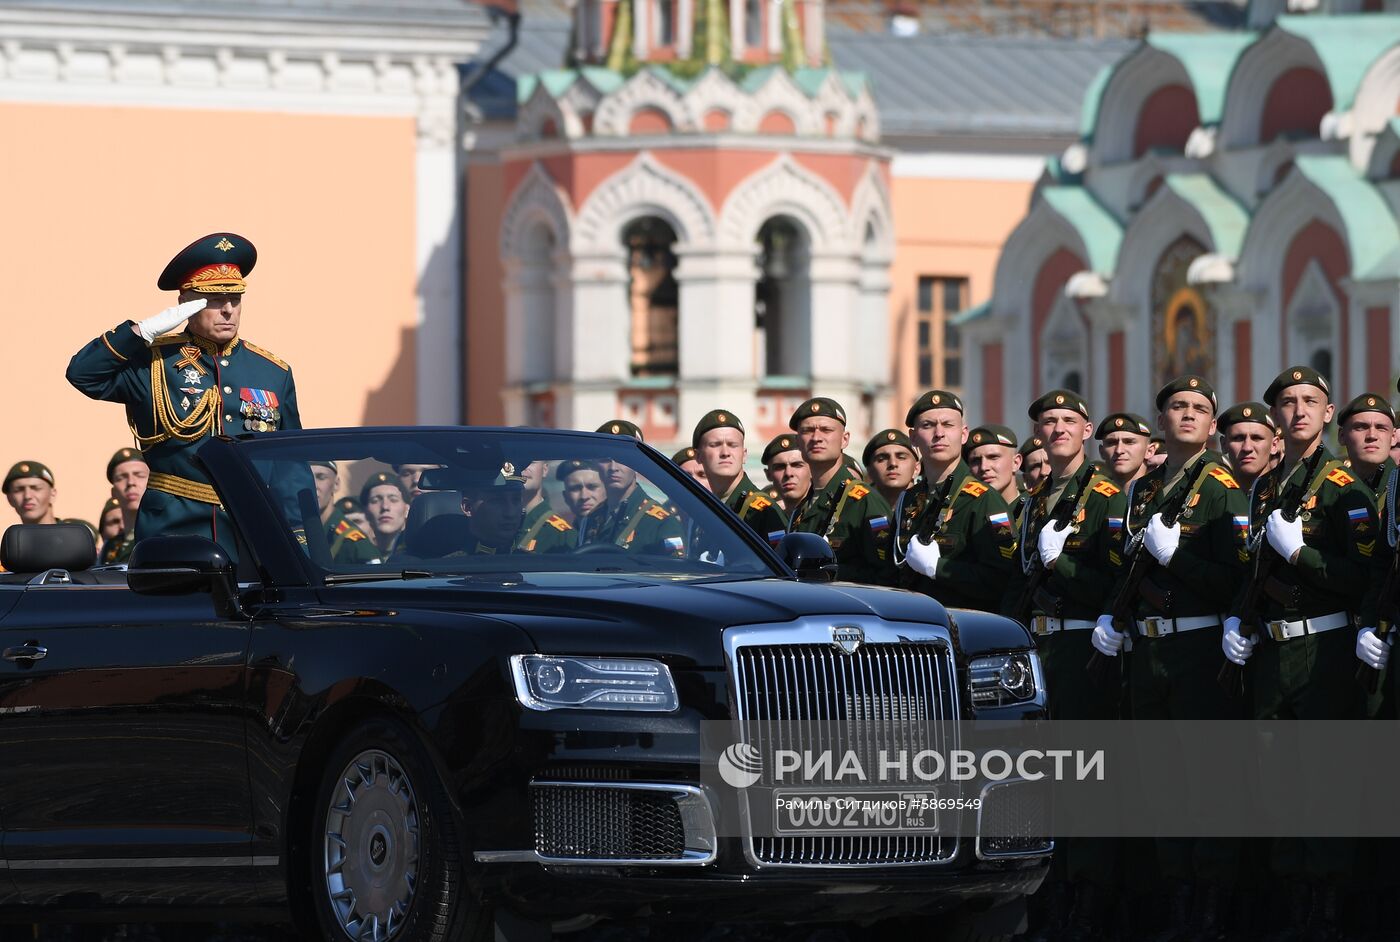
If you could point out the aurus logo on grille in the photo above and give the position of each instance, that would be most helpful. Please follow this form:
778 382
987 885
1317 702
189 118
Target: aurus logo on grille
846 638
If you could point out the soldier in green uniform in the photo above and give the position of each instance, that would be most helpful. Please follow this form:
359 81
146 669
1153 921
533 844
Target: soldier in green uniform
1250 441
630 519
1303 666
347 542
788 470
953 537
854 519
687 461
1070 545
890 463
1035 462
991 453
1123 438
718 440
1365 429
180 389
493 508
583 493
620 427
1198 563
128 474
542 530
109 522
30 490
386 500
354 512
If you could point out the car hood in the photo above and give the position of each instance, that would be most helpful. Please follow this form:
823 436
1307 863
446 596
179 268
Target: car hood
615 615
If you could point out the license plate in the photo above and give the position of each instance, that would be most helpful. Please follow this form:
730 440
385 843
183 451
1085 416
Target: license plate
854 812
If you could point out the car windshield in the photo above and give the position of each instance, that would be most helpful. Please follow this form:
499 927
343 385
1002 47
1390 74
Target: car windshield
377 504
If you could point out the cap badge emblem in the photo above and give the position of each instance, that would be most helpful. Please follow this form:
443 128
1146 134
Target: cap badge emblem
1248 412
937 400
1059 400
1194 383
1118 423
890 436
507 469
816 407
223 245
1297 374
616 429
721 418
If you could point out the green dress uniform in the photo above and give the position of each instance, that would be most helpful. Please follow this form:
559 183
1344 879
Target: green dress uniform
972 526
347 542
544 531
855 520
637 523
118 548
756 509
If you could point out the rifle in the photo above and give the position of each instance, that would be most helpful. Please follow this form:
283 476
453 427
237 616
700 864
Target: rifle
1034 569
929 524
1123 608
1231 676
1369 677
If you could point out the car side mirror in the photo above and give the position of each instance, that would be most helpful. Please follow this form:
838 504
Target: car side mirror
185 565
809 556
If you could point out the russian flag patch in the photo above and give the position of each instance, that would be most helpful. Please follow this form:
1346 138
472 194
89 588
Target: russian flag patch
1241 523
999 520
1115 523
674 543
1357 515
776 536
879 523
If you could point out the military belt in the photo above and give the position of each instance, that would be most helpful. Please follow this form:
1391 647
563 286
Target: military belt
1155 626
1281 630
1045 625
176 486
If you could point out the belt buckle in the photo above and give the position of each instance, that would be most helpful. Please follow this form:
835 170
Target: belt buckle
1040 624
1154 626
1278 630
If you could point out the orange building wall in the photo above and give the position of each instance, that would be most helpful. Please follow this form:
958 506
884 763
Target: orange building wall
487 192
950 228
97 199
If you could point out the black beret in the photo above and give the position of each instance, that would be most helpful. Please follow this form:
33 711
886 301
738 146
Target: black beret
1367 402
122 456
1058 399
27 469
821 406
1255 412
214 264
1297 376
684 455
1032 443
933 399
567 468
989 435
1187 383
1122 422
889 436
710 421
779 445
378 480
620 427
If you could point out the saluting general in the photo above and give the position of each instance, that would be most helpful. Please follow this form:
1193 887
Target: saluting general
180 389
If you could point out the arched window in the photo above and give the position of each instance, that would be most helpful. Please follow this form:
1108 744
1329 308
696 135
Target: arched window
1183 326
1064 347
781 299
653 296
753 24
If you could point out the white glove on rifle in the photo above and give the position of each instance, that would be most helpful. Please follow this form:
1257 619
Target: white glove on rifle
1284 536
717 559
168 319
923 557
1161 540
1052 542
1236 646
1371 650
1106 640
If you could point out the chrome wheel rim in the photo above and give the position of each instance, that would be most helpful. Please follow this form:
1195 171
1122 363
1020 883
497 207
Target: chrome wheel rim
371 847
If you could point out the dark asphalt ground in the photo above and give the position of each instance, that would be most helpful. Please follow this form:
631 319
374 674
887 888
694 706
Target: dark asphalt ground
238 933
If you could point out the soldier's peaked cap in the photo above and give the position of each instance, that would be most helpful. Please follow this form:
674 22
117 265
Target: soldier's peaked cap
214 264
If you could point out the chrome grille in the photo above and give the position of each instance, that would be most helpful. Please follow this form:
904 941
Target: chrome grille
892 696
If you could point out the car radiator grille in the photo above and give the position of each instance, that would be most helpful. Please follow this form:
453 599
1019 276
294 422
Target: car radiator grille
603 823
886 696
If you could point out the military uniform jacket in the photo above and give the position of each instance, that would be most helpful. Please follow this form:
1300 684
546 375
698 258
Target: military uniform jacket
855 520
179 392
1376 609
544 531
118 548
1080 584
637 523
1341 558
977 544
1210 561
756 509
347 542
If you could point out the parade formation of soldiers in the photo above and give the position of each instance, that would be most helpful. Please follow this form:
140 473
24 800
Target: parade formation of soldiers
1202 534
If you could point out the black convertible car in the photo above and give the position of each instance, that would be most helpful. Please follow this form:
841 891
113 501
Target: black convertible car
454 734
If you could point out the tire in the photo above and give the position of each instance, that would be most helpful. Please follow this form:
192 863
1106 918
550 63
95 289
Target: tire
385 861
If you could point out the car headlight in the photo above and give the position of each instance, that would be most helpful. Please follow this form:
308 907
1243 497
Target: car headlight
593 683
1004 679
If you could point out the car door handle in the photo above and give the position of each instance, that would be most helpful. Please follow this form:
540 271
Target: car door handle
29 651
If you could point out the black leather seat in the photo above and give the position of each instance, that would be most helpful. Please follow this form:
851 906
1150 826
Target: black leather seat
35 548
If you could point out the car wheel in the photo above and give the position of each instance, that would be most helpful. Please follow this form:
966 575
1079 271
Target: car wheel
386 865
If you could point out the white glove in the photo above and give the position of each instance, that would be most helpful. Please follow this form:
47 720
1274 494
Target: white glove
1106 640
168 319
1161 540
1236 646
1286 538
923 557
1052 542
716 560
1371 650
